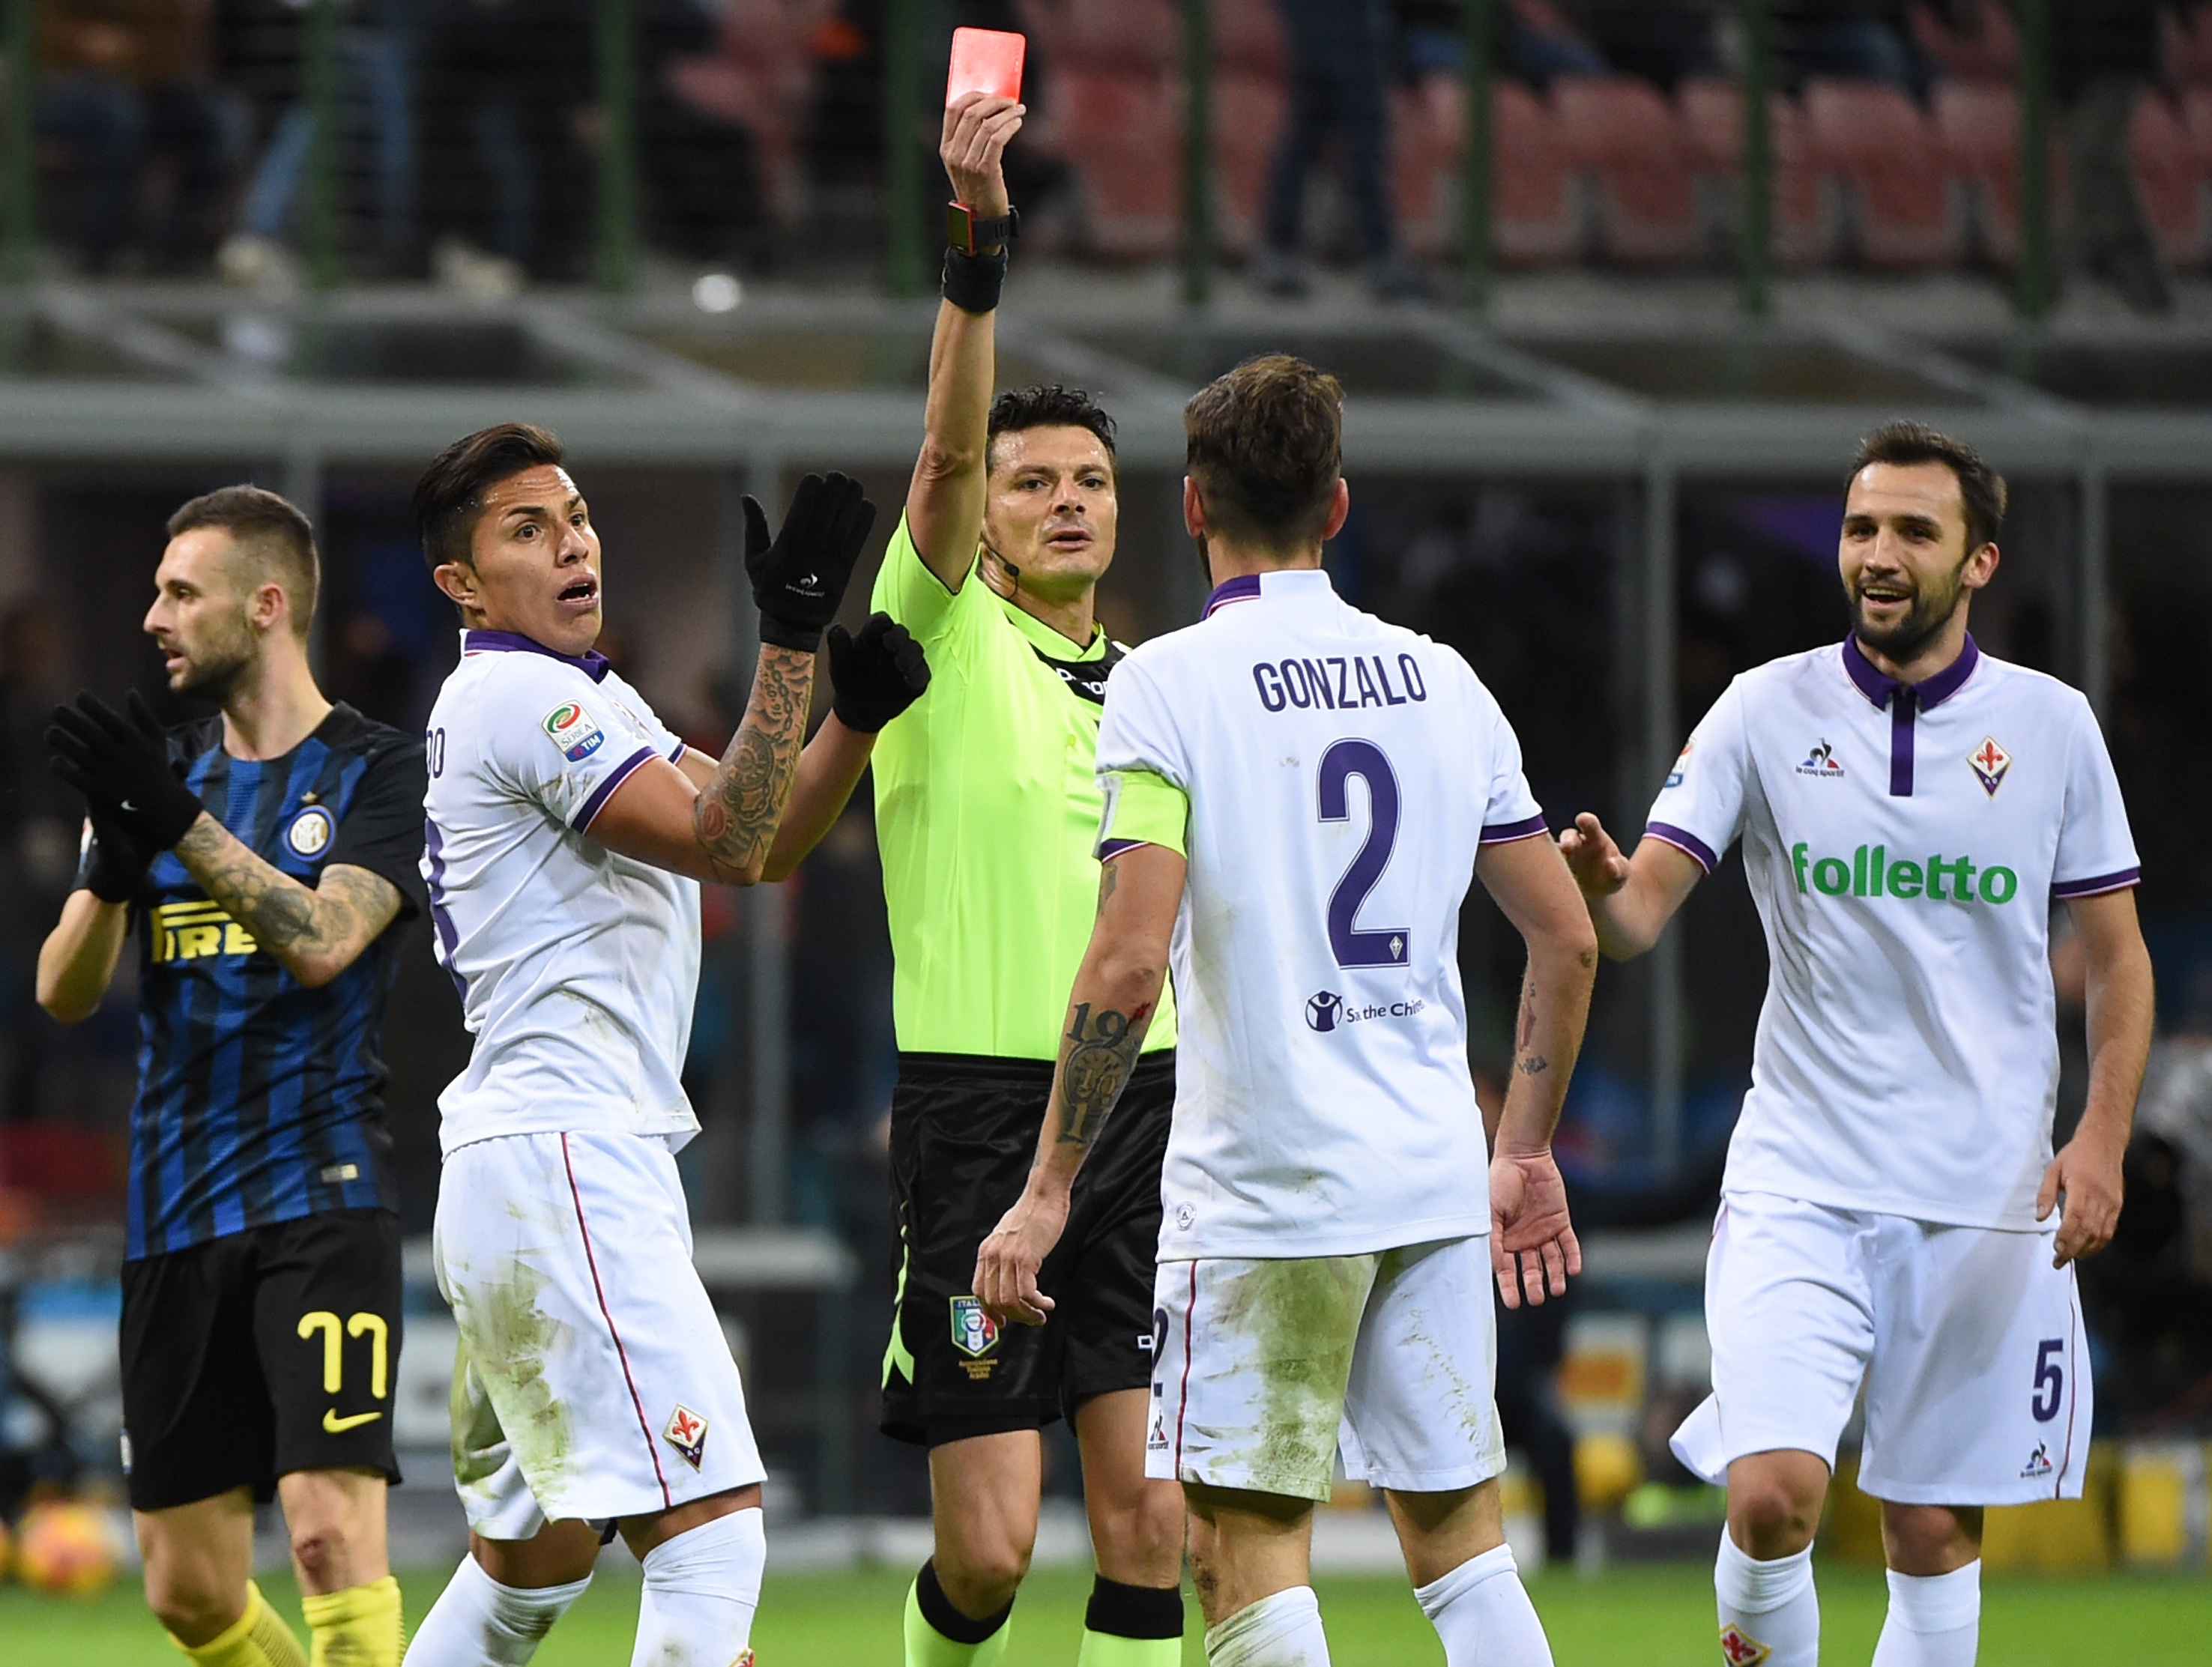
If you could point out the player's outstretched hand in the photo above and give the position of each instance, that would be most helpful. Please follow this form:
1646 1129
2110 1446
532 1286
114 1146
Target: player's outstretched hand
1006 1263
119 760
2088 1173
977 126
877 675
799 575
1592 857
1532 1241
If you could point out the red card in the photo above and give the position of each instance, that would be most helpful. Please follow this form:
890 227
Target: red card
986 61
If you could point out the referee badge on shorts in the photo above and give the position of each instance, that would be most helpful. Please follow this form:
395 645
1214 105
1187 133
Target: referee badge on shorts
687 1434
975 1334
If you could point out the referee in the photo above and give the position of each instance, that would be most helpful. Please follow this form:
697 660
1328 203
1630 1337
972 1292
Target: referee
262 859
987 811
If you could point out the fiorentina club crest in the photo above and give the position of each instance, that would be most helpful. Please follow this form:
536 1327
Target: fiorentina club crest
687 1434
1990 763
975 1333
1739 1649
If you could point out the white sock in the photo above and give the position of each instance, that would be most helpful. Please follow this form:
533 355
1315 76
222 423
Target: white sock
1482 1612
477 1622
1281 1631
1770 1613
700 1591
1935 1620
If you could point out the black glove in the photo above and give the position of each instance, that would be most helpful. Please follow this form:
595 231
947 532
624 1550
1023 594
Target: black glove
115 866
875 675
800 578
121 763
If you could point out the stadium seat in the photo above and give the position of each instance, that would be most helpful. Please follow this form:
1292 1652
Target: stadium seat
2170 172
1120 133
1804 222
1886 150
1095 36
1248 111
1425 140
760 75
1627 139
1248 37
2185 44
1532 209
1977 124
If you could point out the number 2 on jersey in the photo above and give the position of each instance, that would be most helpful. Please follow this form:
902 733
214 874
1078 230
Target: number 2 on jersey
1342 762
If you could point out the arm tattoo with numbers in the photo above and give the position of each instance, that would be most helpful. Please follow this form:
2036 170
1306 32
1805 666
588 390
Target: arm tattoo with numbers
338 917
737 812
1524 1032
1103 1051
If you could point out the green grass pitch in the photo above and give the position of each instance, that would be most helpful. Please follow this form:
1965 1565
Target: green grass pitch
1636 1617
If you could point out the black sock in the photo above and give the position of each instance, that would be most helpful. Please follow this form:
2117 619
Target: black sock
936 1609
1133 1611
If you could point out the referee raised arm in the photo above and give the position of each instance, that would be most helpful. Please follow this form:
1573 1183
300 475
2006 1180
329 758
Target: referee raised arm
261 859
987 811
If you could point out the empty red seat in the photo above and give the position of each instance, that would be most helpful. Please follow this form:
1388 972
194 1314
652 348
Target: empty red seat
1802 223
2170 172
1532 208
1628 140
1978 124
1248 111
1427 132
1885 149
1247 36
1119 131
1095 35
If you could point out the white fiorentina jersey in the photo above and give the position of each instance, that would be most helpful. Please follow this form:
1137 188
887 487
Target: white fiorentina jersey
1341 774
1904 845
577 967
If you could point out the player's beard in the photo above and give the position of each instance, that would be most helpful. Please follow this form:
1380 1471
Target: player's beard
1930 612
215 667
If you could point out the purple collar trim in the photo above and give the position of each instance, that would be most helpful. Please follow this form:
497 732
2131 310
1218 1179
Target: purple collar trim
1878 686
1245 587
593 664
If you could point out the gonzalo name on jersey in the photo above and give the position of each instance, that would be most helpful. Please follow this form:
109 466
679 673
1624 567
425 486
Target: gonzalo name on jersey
1337 681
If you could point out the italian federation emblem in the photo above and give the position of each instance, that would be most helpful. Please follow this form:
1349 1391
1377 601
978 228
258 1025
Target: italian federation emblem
687 1434
1990 762
975 1333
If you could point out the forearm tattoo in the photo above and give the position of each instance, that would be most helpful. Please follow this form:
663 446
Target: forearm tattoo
737 812
1524 1034
1102 1051
294 922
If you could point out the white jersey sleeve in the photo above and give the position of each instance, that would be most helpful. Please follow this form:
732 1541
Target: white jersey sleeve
1137 731
1700 809
562 742
2096 850
1510 809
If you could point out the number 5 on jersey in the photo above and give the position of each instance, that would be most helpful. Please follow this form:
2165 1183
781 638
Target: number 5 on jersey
1352 947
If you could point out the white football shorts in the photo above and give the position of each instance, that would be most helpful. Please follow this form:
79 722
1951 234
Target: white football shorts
1968 1340
1262 1369
593 1379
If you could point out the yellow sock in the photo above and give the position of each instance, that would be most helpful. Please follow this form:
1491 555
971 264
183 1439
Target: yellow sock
927 1646
359 1626
258 1638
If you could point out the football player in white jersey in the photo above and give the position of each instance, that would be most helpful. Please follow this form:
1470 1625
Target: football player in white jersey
1297 798
567 830
1910 808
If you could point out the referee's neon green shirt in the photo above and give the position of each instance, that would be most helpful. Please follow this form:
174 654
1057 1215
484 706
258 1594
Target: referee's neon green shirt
988 805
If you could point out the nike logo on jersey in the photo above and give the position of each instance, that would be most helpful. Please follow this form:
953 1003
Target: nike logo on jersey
1872 872
334 1425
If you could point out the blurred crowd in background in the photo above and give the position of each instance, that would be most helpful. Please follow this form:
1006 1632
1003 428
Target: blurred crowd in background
175 136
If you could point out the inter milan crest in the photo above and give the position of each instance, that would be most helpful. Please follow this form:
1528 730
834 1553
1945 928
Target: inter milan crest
1990 762
311 831
975 1333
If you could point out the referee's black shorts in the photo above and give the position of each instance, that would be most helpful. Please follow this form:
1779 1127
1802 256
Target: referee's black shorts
963 1134
265 1351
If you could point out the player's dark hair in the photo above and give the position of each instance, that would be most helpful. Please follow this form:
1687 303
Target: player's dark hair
269 531
1048 405
450 494
1265 443
1981 488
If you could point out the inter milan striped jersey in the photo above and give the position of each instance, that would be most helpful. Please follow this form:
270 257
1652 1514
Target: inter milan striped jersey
1904 844
260 1100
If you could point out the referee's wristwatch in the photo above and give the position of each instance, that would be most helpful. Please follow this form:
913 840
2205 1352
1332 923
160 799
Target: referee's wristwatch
971 236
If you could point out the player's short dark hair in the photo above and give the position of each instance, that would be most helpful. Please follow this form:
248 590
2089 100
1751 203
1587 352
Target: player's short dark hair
1048 405
451 492
268 530
1981 488
1265 443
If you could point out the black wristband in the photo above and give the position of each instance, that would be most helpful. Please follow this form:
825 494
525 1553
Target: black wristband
973 283
782 634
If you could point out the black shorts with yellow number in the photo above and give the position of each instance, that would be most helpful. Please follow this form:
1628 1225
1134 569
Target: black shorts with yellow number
263 1352
963 1134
